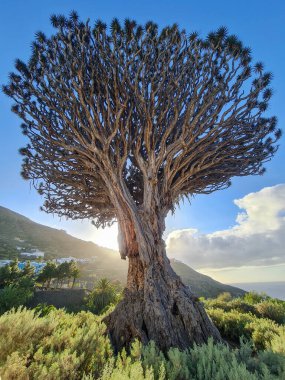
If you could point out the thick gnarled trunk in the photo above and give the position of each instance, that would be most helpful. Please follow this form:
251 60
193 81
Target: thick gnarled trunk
157 305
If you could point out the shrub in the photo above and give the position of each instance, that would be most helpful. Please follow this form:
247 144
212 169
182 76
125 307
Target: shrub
58 345
51 344
216 304
224 297
272 310
14 296
266 364
253 297
43 309
277 343
217 362
240 305
232 324
262 331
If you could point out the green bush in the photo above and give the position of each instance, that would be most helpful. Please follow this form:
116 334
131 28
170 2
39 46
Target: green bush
217 362
206 362
237 304
240 305
232 324
56 346
272 310
43 309
253 297
262 331
14 296
46 343
277 343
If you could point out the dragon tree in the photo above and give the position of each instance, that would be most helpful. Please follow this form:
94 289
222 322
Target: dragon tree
122 124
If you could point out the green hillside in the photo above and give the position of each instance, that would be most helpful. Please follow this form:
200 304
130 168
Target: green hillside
201 284
18 233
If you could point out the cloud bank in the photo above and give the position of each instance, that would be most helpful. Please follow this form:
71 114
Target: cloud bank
257 239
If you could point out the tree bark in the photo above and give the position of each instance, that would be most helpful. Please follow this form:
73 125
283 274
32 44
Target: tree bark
156 305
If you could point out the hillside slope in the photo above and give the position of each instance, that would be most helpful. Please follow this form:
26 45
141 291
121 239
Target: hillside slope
18 233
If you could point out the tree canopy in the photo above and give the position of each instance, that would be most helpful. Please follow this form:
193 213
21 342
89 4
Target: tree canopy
162 113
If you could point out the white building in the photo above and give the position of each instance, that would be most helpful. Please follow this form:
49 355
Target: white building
35 253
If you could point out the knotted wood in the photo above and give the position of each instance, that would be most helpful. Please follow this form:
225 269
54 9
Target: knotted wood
158 306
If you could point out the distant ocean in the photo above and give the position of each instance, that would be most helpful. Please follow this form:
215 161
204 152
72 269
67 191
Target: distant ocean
273 289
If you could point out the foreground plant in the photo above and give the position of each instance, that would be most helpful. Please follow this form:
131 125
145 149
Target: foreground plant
57 345
122 125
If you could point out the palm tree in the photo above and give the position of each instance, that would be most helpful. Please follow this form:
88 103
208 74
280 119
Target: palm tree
103 294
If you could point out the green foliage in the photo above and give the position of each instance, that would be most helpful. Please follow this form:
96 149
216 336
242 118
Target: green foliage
103 295
237 304
224 297
13 296
262 331
52 344
265 364
16 286
253 297
10 274
206 362
234 324
28 270
58 273
217 362
277 343
152 357
58 345
240 305
47 274
43 309
271 309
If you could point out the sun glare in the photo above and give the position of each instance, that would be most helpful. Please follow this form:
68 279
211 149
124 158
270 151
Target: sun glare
106 237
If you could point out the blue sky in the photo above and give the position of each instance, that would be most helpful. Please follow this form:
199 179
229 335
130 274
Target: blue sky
259 24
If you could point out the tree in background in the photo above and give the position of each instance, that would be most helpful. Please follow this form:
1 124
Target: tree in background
47 274
62 272
5 275
125 123
74 272
28 270
16 285
15 272
10 274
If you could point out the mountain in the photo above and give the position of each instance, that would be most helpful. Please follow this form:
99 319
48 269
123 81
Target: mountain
20 234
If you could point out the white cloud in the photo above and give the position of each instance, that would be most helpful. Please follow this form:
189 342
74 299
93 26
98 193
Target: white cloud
257 239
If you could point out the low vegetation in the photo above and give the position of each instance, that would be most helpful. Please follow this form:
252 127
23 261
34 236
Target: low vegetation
58 345
49 343
255 316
